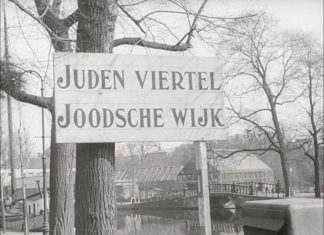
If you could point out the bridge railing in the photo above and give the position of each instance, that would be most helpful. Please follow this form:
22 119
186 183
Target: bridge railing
257 189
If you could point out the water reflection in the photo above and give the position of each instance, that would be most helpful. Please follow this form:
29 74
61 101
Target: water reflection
172 222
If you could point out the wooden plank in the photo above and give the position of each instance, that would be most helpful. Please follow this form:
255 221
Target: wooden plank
203 188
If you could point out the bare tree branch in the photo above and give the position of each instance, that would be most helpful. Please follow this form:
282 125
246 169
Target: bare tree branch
136 22
54 26
194 23
267 134
8 83
72 19
259 151
56 6
154 45
133 4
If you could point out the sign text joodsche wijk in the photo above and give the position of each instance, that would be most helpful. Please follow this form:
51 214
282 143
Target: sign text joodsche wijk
117 98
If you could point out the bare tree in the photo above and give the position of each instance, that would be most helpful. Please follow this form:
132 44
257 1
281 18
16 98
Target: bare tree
260 85
96 26
311 62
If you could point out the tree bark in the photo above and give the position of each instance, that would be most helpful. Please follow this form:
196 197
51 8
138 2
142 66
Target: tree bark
95 196
283 160
314 132
280 137
316 163
61 181
317 177
96 25
283 150
95 203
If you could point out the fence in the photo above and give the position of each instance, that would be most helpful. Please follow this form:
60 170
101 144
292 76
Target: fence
257 189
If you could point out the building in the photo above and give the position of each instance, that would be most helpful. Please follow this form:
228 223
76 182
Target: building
35 200
145 183
33 172
240 167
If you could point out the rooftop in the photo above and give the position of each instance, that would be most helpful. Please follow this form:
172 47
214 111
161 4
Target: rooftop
239 162
236 162
154 174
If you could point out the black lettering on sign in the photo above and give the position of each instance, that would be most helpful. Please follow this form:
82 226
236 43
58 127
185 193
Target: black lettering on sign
60 119
129 118
145 118
157 114
79 120
77 80
119 116
179 116
107 123
94 118
163 78
106 118
92 79
215 118
60 80
177 83
140 79
203 120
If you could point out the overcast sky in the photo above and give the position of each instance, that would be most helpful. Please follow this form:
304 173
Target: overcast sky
298 15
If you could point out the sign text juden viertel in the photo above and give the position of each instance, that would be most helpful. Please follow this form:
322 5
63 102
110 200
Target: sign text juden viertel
140 117
137 98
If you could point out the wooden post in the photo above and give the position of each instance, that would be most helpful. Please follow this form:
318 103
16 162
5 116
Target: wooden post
203 188
9 108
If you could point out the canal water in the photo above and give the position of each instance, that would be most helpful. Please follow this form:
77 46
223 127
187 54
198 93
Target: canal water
176 222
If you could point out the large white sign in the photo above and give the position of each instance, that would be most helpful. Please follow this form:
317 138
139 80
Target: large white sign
117 98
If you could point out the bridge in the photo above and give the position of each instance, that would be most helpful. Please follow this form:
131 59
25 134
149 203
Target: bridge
248 189
233 195
221 195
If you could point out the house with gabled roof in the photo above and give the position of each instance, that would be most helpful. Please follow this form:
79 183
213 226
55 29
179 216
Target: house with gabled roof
35 200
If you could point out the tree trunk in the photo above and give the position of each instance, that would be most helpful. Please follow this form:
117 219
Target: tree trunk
61 184
95 209
95 203
317 175
283 160
314 134
280 136
281 141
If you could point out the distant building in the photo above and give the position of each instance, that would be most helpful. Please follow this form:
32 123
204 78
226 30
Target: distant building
146 182
238 168
35 201
33 171
242 168
152 159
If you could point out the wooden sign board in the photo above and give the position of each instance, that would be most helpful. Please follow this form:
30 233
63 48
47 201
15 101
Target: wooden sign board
118 98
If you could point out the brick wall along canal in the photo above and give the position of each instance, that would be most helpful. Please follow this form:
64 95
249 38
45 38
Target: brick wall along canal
176 222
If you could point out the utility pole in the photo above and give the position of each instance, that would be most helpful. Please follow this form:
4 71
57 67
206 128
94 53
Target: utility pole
45 222
203 188
25 224
3 218
11 148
